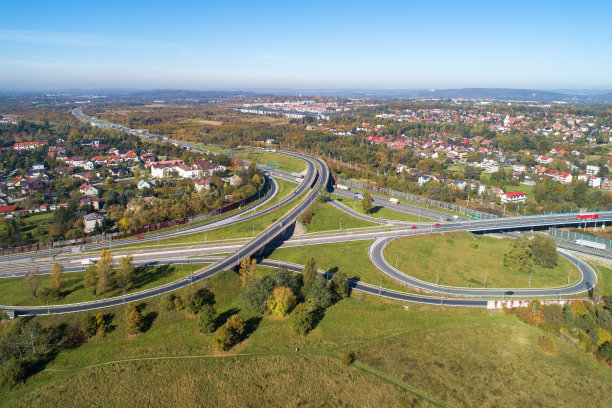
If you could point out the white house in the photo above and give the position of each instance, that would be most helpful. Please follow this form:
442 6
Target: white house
544 160
519 168
592 170
188 172
513 197
143 184
161 170
592 181
423 179
89 165
202 185
88 190
91 220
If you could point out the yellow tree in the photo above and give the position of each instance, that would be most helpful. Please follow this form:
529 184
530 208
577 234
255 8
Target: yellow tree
281 301
57 277
103 270
247 269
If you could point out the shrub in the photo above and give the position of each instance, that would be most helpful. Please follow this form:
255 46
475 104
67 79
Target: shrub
12 373
255 293
90 325
307 216
281 301
198 299
318 292
230 332
207 320
547 344
134 321
302 320
348 358
340 285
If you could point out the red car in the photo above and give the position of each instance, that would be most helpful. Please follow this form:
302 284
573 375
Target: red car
139 238
437 225
413 227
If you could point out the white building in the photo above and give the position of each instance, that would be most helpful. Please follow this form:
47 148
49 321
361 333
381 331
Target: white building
91 220
592 170
513 197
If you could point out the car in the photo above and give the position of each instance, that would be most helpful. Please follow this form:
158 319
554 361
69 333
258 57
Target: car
437 225
509 293
413 227
138 238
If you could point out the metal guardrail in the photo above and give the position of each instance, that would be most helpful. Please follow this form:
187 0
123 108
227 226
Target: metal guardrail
418 199
572 237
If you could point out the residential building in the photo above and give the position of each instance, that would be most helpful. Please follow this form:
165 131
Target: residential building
513 197
88 190
91 220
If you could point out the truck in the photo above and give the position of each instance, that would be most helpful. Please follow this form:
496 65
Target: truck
342 187
393 200
591 244
87 262
588 216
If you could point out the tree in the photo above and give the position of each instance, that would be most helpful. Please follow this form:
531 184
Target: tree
366 202
281 301
198 299
255 293
544 251
134 321
230 332
103 268
301 319
340 285
322 195
57 277
207 319
32 281
247 269
125 272
282 277
309 272
318 292
90 279
518 256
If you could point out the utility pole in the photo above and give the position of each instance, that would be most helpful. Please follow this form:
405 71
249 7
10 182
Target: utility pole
530 279
485 281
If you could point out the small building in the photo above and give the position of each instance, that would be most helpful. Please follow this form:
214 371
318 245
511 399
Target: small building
513 197
202 185
88 190
91 220
142 184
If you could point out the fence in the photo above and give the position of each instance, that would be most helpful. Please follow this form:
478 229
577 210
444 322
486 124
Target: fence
418 199
575 236
134 231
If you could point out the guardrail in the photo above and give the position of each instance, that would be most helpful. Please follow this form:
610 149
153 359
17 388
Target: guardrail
418 199
572 237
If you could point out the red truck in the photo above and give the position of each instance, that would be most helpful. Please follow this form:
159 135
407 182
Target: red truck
588 216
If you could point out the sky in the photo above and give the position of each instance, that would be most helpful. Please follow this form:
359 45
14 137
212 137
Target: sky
305 45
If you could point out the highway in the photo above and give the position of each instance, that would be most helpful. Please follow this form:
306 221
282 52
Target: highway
315 178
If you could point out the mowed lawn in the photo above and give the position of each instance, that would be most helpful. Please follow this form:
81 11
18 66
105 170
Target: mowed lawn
326 217
384 213
14 291
349 257
283 162
460 264
404 357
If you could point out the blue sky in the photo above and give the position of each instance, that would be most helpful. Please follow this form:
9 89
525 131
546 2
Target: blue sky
315 44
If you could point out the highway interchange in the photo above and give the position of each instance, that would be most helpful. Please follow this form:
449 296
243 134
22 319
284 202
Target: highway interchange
302 197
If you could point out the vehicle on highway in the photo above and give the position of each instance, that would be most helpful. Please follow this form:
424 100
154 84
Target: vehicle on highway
138 238
588 216
591 244
437 225
508 293
342 187
394 201
86 262
358 196
413 227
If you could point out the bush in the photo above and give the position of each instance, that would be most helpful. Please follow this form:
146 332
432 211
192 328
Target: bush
134 321
90 325
605 352
302 320
255 293
282 277
348 358
281 301
307 216
340 285
13 373
547 344
230 333
207 320
318 292
198 299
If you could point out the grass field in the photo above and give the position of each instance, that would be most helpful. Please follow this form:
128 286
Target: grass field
13 291
381 212
284 189
458 264
605 275
327 218
349 257
283 162
463 357
443 210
